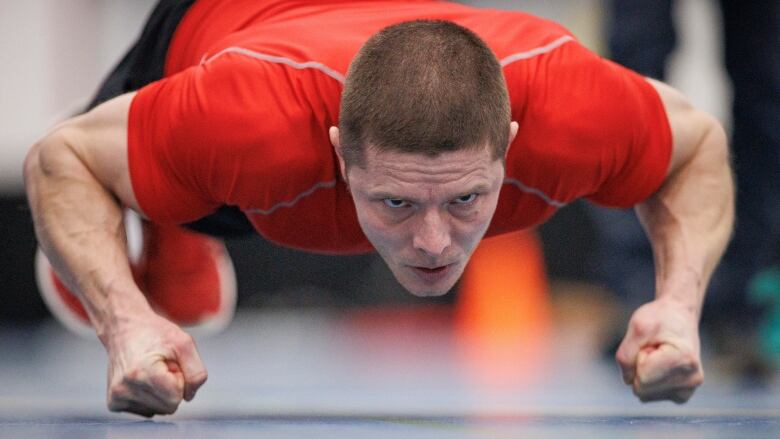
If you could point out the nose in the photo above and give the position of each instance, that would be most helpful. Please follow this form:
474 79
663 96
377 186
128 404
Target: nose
432 235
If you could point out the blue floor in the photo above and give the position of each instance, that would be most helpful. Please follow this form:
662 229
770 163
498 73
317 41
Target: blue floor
370 374
716 426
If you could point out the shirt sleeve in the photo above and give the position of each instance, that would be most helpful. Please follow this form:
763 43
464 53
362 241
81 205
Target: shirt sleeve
202 138
595 129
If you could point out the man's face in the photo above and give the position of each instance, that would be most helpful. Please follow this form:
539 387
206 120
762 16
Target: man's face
425 215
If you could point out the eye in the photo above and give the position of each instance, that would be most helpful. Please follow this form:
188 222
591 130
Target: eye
395 203
465 199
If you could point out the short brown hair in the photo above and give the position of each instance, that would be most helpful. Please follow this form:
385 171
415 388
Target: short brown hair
424 86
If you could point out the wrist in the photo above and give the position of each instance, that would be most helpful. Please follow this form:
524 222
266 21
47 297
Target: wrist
121 307
684 288
683 298
689 307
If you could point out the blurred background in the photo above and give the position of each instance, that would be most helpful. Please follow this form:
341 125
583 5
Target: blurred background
594 265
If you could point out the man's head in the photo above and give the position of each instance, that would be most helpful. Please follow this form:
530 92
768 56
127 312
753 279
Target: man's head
423 132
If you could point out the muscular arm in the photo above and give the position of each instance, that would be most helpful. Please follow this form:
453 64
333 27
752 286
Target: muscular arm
76 177
77 180
689 221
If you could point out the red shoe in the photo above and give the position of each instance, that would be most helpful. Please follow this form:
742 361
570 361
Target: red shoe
186 277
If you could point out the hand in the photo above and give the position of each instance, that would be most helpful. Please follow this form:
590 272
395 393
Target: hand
152 366
659 356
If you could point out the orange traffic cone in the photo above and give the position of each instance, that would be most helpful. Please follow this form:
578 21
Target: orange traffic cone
503 316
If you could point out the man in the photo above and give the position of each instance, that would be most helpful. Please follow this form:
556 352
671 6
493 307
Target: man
417 151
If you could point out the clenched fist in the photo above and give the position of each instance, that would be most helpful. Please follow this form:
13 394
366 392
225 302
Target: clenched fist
660 356
152 366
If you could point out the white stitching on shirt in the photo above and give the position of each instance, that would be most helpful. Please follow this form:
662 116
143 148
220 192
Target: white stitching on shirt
340 78
536 52
296 199
329 184
279 60
526 55
530 190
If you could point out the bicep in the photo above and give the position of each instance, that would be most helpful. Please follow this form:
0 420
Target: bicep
99 140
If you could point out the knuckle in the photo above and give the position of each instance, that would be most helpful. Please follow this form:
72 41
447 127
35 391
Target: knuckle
167 409
689 360
142 411
115 406
116 391
168 405
680 399
683 396
132 375
170 409
183 339
200 377
194 383
689 366
641 326
163 385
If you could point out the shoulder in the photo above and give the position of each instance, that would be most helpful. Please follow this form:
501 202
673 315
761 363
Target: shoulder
516 36
590 127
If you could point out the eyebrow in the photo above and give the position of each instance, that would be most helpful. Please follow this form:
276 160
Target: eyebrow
384 193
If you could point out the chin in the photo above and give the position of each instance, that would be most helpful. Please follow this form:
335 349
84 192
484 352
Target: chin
427 293
421 289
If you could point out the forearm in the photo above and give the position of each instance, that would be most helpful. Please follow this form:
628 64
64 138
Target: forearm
79 226
689 221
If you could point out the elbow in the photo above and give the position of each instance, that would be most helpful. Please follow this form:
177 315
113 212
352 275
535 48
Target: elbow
720 138
31 169
714 143
718 148
716 154
45 159
712 155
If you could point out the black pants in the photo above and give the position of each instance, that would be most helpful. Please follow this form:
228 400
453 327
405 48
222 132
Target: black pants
143 64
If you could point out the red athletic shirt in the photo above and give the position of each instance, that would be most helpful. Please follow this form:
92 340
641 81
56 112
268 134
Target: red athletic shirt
251 88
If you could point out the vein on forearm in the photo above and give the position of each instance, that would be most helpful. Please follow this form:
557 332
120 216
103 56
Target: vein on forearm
79 223
689 220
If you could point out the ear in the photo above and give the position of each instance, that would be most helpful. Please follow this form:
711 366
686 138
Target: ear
333 133
513 127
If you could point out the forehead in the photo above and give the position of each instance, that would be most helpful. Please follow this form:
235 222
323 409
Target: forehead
386 166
